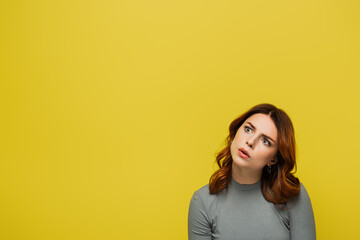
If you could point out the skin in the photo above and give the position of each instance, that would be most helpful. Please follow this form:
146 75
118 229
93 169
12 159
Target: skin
262 150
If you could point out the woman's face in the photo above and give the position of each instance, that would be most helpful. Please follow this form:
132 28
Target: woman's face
251 137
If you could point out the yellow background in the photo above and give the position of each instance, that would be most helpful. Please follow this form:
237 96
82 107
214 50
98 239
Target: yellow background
112 111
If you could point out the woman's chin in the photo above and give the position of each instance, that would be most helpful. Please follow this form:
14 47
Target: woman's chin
239 162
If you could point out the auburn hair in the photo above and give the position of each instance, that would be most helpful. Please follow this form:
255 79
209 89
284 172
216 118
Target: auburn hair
280 185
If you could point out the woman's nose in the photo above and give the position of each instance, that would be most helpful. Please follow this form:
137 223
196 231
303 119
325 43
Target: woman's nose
250 142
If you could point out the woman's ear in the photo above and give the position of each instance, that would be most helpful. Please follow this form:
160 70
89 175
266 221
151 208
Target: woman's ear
273 161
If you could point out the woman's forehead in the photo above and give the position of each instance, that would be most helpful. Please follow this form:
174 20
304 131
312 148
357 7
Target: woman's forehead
263 123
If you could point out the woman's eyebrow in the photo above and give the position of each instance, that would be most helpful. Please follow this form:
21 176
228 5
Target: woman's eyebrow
262 134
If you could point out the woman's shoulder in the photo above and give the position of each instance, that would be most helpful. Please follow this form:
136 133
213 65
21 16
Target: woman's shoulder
301 199
203 200
204 191
303 194
204 194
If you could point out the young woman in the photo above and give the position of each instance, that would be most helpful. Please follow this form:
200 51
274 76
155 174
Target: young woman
254 195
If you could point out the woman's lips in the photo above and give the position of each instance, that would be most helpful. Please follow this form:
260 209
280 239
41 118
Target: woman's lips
243 153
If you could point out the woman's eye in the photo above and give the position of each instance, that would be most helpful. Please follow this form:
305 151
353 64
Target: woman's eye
247 128
267 142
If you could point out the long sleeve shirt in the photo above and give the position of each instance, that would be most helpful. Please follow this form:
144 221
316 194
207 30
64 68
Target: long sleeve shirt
240 212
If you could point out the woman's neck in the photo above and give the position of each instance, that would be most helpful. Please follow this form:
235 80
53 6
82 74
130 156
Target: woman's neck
245 176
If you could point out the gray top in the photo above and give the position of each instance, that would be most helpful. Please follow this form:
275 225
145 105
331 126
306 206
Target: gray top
240 212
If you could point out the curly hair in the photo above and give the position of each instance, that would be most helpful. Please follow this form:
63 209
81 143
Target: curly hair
280 185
